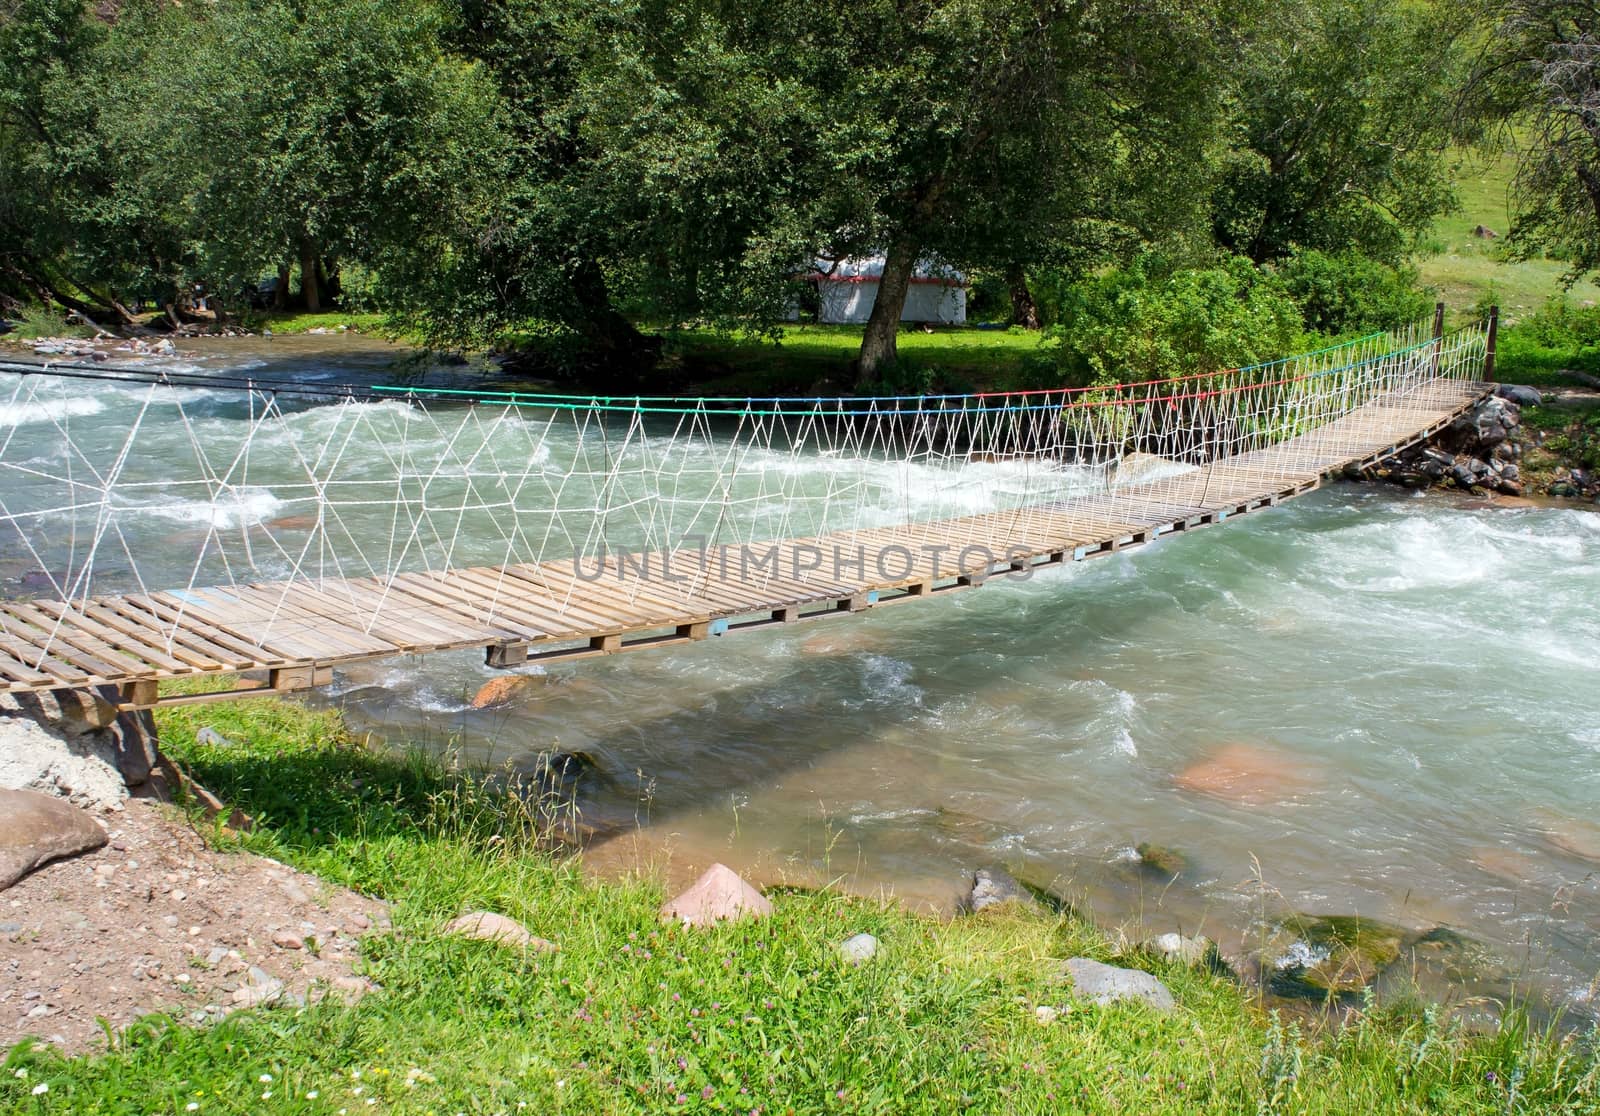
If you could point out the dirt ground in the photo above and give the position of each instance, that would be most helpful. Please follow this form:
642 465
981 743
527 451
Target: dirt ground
158 921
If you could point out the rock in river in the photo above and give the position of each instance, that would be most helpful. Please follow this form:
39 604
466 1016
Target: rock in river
1317 957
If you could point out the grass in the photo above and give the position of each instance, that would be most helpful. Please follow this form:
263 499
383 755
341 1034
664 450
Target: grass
634 1016
812 358
35 322
1470 272
288 322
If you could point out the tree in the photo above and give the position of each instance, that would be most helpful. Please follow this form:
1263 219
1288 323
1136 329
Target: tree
1341 121
1004 133
1538 77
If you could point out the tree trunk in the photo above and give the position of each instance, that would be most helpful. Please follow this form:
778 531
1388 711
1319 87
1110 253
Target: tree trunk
280 293
616 346
878 347
1024 311
308 277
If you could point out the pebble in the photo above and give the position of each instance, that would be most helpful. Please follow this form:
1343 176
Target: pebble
286 939
10 927
858 949
169 920
1045 1014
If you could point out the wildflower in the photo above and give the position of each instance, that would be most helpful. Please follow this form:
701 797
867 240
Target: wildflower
707 1093
41 1089
312 1095
266 1094
192 1106
22 1074
372 1100
264 1078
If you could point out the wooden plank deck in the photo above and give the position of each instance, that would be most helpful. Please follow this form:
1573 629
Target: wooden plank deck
293 633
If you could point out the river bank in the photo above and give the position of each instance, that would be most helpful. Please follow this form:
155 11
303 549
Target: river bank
630 1014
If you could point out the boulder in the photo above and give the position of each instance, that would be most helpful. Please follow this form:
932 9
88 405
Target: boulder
36 829
718 895
1161 861
1521 396
858 949
1104 984
994 887
1249 774
1318 957
486 926
501 690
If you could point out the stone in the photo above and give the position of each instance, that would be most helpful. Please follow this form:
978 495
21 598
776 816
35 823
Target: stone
287 939
209 737
1045 1015
1160 860
858 949
1104 984
716 896
1329 956
1248 774
1195 952
36 829
994 887
258 995
487 926
38 753
1520 395
501 690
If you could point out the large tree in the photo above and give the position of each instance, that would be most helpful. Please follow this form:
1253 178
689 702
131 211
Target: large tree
996 133
213 143
1538 79
1342 116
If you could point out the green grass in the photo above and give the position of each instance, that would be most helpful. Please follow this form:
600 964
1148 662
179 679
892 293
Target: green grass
290 322
35 322
634 1016
808 358
1469 272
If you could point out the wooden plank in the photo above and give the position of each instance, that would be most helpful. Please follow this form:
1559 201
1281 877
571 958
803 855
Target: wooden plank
86 618
234 652
64 640
511 623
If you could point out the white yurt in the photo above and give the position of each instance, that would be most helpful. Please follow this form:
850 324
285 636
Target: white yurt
847 290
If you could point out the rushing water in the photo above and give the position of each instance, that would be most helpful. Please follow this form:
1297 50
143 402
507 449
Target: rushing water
1361 702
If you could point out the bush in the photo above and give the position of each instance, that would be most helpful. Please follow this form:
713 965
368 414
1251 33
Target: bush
1146 322
1349 293
1546 346
1560 325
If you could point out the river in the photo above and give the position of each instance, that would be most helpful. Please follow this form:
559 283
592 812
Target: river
1362 702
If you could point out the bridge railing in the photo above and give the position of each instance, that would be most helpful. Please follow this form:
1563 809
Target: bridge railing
134 479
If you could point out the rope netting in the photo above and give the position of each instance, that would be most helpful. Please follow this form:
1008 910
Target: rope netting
118 481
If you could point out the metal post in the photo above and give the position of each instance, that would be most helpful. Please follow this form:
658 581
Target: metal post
1488 353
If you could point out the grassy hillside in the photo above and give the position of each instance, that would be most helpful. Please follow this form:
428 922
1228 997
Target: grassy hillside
1468 270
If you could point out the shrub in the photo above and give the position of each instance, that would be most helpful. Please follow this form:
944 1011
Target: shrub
1347 292
1148 322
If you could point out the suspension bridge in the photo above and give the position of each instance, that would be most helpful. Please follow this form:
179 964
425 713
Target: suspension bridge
162 525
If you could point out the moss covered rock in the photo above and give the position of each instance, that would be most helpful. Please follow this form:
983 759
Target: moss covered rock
1322 956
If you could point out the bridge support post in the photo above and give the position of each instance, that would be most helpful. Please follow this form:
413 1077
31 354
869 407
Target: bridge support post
507 655
1438 339
1488 352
